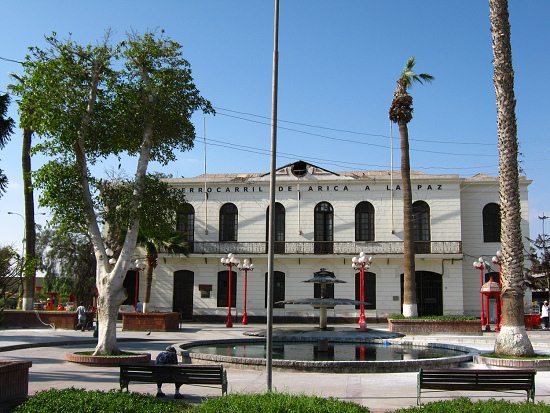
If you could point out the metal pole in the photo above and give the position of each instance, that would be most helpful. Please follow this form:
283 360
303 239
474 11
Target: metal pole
245 319
229 322
271 238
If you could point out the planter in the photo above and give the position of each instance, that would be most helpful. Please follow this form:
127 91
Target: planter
416 326
14 382
33 319
150 321
107 361
537 364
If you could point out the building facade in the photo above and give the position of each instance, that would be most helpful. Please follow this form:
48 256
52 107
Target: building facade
322 220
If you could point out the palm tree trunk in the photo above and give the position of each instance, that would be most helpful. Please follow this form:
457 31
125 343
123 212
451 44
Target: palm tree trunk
30 228
151 264
512 339
410 308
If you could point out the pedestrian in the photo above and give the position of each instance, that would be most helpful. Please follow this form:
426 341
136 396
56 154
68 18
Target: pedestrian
544 314
81 317
168 356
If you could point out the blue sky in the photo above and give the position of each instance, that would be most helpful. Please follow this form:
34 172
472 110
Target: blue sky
339 61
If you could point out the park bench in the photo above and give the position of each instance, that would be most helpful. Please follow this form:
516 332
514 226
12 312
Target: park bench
477 380
193 374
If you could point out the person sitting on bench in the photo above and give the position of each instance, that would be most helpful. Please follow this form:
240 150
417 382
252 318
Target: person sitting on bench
168 356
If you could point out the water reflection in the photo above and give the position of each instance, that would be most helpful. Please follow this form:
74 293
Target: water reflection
327 351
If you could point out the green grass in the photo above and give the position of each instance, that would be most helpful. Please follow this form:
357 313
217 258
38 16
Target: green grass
276 403
498 356
79 400
434 317
465 405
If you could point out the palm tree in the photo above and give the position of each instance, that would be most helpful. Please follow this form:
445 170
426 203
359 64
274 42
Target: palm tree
30 225
401 113
6 129
172 243
512 339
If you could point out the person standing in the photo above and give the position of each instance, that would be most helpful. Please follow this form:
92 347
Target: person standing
544 314
81 316
169 356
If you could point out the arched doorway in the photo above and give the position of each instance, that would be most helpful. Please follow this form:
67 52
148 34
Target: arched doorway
323 228
429 293
182 302
131 285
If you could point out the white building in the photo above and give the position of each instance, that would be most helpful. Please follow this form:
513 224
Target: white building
323 219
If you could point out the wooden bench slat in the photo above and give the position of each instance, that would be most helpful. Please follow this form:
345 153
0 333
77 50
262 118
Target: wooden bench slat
477 380
174 373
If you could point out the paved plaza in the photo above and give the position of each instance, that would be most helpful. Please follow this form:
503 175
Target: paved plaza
46 348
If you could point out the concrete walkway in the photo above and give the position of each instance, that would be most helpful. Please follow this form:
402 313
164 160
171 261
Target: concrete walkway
380 392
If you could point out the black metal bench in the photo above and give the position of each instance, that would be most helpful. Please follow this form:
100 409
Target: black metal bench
200 375
477 380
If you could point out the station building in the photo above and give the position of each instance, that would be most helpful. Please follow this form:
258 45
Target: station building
322 220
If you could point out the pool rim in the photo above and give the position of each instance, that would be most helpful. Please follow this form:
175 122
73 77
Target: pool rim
368 366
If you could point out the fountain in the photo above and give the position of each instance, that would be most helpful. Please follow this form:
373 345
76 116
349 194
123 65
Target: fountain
337 351
324 278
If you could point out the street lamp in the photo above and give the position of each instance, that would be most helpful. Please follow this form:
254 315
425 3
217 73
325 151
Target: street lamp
229 262
480 265
360 263
245 266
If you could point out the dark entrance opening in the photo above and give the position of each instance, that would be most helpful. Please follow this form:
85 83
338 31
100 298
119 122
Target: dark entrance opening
183 294
131 285
429 293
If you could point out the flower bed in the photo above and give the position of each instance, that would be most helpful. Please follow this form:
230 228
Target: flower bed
150 321
14 382
424 326
107 360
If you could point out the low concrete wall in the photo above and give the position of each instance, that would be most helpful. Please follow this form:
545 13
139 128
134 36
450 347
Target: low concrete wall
150 321
415 326
14 382
25 319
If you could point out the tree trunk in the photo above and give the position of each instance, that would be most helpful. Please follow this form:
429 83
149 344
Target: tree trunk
111 295
410 308
512 339
150 266
30 228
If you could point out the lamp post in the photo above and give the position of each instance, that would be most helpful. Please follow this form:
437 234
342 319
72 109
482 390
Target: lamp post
480 265
360 263
229 262
245 266
497 259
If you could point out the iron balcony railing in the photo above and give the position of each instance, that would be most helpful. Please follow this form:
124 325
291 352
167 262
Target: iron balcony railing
327 247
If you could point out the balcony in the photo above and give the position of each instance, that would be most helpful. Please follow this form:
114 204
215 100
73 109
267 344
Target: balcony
327 247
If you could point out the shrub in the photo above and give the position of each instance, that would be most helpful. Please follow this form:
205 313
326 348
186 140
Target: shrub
82 401
434 317
465 405
276 403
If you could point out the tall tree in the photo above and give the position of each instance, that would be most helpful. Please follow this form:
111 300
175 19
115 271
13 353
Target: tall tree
512 339
401 112
66 257
91 102
6 129
29 269
158 215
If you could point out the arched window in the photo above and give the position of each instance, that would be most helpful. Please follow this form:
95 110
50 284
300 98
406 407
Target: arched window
364 221
491 223
185 224
370 289
421 227
278 289
279 228
229 222
323 228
